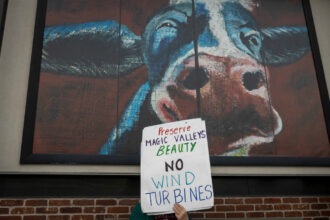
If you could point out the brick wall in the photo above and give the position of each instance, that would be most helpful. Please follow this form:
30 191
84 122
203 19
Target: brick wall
307 208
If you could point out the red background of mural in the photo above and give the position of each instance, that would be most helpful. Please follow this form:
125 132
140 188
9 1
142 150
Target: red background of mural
75 114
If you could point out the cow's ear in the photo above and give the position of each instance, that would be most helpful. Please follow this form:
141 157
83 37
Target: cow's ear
283 45
91 49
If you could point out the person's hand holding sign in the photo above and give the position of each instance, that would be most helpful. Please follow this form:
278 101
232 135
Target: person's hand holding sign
180 212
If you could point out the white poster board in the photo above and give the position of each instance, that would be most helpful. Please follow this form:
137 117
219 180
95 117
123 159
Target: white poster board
175 167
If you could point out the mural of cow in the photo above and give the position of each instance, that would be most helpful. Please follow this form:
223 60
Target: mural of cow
229 70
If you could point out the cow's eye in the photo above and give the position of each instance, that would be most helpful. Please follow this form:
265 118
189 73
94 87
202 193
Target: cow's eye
167 24
251 39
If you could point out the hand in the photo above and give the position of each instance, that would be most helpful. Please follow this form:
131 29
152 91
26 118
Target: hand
180 212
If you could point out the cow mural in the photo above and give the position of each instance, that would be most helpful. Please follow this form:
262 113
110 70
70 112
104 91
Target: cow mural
210 56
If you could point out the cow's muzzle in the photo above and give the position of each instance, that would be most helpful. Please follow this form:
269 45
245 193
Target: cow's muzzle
234 101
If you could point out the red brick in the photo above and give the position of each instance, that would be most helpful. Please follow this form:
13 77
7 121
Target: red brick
282 207
128 202
215 215
300 207
11 202
70 210
311 213
253 200
308 199
118 209
106 202
131 208
21 210
197 215
255 215
94 210
291 200
59 202
234 201
244 208
225 208
4 211
59 217
103 217
264 207
82 217
10 218
308 219
83 202
293 214
218 201
325 213
124 216
47 210
324 199
319 206
212 209
34 217
272 200
274 214
36 202
235 215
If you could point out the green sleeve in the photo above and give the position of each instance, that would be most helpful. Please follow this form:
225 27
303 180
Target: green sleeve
137 214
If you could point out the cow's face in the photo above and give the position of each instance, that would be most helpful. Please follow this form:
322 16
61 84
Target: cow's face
233 83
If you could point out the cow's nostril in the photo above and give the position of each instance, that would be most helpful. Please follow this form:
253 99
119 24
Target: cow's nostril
196 79
253 80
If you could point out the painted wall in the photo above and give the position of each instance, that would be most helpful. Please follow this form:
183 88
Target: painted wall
14 67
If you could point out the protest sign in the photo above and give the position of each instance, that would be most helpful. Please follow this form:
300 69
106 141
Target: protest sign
175 167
